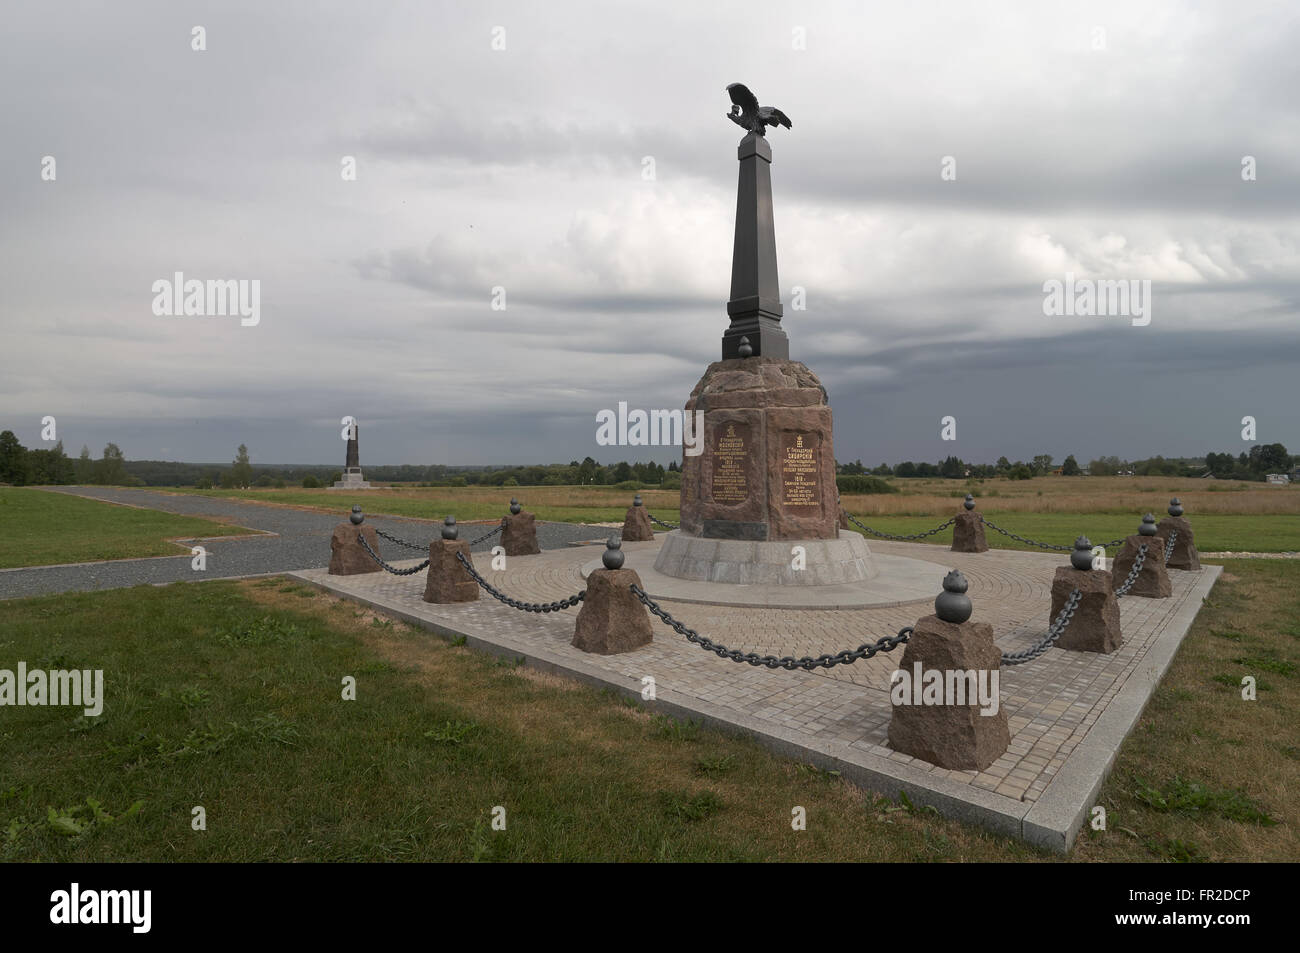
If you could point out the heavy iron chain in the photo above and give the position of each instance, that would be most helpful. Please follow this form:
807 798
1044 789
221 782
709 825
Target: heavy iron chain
400 542
789 662
1031 542
1169 546
496 593
490 533
874 532
1133 573
425 548
1054 632
361 538
655 519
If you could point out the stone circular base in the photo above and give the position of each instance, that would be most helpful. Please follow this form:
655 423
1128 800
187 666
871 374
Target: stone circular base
825 562
895 580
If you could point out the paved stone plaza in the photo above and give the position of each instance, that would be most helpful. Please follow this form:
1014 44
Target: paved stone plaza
1068 711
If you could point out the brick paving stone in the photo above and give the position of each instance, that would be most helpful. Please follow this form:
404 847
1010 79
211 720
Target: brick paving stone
1051 702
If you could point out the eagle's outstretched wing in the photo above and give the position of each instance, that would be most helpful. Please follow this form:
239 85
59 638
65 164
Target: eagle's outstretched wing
742 97
780 117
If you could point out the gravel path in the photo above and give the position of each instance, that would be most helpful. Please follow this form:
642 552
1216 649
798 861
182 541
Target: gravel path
301 541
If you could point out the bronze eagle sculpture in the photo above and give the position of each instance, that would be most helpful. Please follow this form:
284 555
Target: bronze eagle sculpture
748 114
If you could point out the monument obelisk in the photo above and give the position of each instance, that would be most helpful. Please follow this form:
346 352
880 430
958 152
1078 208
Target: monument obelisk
352 478
766 475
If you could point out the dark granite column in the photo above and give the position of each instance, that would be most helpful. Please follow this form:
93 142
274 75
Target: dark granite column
755 305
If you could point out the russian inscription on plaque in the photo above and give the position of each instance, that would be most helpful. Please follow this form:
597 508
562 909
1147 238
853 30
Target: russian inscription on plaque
799 468
731 464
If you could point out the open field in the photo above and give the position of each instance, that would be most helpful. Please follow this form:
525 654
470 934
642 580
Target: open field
43 528
1229 516
227 695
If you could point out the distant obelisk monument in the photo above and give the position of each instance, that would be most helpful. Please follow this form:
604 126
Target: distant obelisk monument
352 478
767 471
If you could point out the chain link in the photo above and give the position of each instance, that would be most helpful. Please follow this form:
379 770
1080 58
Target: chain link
489 534
874 532
1169 546
655 519
1054 632
400 542
1133 573
496 593
1031 542
361 537
789 662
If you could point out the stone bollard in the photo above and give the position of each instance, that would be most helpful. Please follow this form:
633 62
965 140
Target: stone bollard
636 525
1184 555
519 532
347 557
447 580
1152 582
968 530
612 619
947 709
1095 625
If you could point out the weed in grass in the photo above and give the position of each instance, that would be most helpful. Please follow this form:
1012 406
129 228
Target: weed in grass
1291 751
378 623
57 657
458 640
1230 636
688 807
1276 666
504 661
82 725
812 771
937 846
190 696
712 766
1234 681
266 630
69 822
912 809
270 727
1181 796
1173 849
675 730
451 732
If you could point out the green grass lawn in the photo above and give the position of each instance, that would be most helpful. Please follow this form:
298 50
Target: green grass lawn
598 504
42 527
1215 533
226 695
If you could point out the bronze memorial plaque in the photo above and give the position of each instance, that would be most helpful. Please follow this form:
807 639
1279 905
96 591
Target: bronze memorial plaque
731 464
799 468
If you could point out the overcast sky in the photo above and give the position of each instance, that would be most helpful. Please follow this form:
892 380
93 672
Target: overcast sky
523 168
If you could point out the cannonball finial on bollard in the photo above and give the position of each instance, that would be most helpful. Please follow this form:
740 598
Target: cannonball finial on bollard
357 516
1148 527
514 507
1175 507
1081 558
745 349
969 502
953 605
613 555
636 500
449 530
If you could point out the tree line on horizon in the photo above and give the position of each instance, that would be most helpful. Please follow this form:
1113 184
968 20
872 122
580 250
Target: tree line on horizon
21 466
